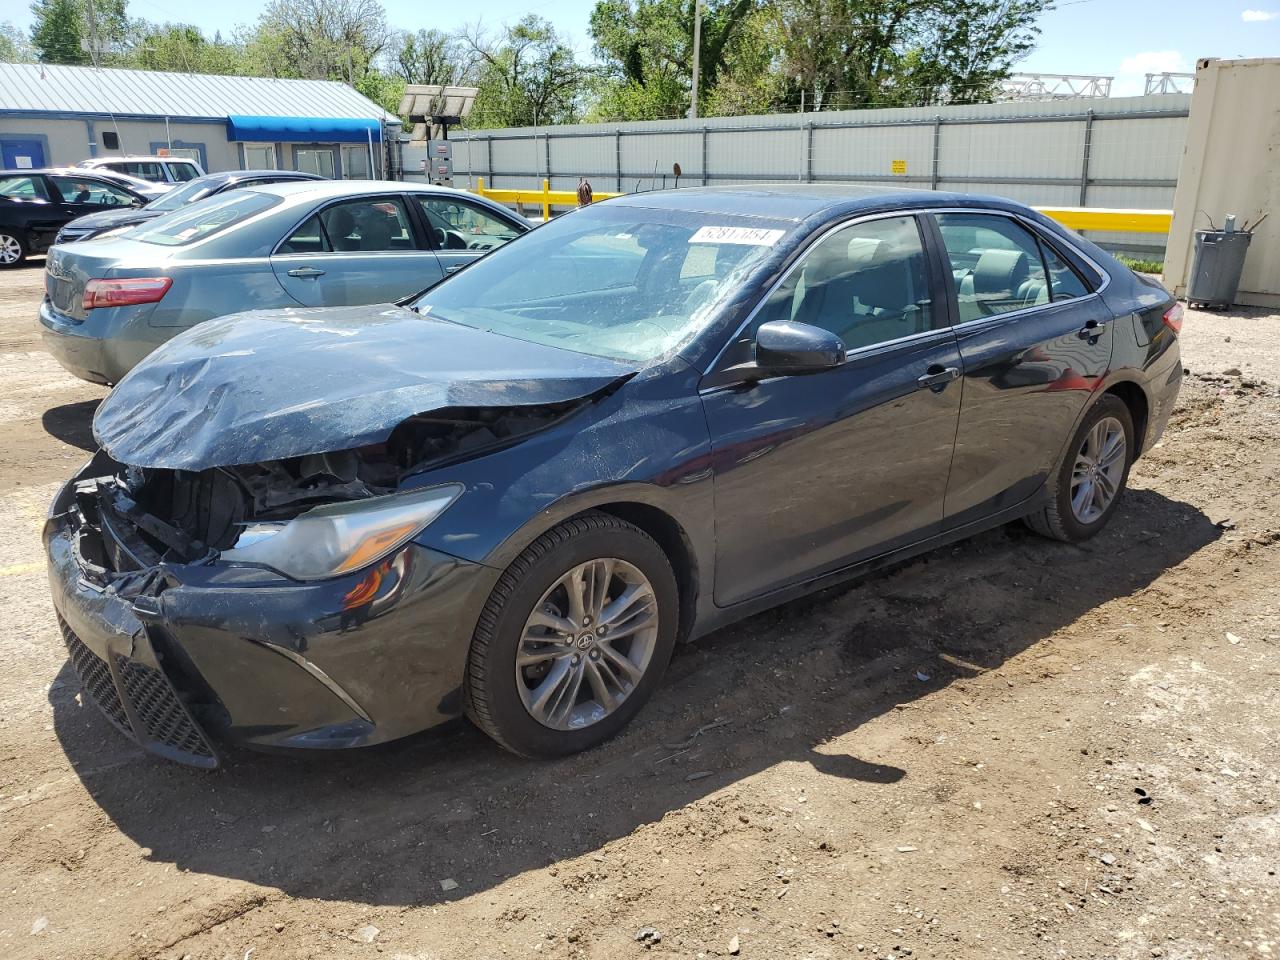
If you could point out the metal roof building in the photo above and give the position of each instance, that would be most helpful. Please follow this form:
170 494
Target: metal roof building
56 115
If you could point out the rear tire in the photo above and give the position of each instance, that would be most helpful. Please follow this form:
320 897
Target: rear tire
1084 490
582 674
13 249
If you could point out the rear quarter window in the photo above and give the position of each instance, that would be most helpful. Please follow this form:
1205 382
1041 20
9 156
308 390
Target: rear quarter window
205 218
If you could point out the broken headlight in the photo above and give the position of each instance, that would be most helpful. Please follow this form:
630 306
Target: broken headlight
338 538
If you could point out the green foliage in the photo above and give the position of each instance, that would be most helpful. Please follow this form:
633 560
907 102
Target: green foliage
384 89
15 47
757 56
184 49
527 77
429 56
646 47
319 39
57 31
1140 265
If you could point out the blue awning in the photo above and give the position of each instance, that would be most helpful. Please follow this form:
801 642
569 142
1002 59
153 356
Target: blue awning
302 130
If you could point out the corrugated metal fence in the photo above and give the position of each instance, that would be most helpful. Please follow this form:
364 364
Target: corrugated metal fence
1121 152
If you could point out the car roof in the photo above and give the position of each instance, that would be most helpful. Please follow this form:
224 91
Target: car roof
95 161
51 171
326 189
284 176
800 201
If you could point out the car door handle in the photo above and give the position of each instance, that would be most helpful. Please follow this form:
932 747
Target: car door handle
1090 330
454 267
937 377
306 272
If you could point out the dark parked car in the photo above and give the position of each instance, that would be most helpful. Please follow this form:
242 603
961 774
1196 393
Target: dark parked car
110 222
331 243
513 494
35 204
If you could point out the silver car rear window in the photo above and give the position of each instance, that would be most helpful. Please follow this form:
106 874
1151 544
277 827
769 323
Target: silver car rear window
204 218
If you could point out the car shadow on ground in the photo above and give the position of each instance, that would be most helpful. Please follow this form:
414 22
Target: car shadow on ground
72 423
386 825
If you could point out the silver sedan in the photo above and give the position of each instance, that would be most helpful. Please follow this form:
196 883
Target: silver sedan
110 302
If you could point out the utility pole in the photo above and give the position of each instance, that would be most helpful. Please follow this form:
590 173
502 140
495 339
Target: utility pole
93 35
697 54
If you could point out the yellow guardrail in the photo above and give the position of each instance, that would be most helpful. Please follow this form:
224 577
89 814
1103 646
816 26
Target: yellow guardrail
1075 218
1115 221
546 198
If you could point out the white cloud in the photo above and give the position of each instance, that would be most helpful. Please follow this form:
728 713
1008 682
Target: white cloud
1131 78
1259 16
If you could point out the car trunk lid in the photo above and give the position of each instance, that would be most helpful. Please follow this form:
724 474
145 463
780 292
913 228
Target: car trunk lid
69 268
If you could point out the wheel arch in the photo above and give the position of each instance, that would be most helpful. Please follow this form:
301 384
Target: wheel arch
1135 398
688 547
675 543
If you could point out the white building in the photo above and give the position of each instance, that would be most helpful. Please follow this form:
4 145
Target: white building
59 115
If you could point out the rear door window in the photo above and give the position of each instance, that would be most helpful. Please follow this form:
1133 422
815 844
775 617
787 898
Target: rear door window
996 264
368 225
308 238
146 169
205 218
1064 282
23 188
182 172
96 193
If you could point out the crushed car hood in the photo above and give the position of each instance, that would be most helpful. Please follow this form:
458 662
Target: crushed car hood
266 385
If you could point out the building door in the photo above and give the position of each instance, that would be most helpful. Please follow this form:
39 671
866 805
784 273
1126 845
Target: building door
21 154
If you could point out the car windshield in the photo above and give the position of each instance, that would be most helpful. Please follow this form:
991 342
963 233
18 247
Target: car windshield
189 192
612 281
204 218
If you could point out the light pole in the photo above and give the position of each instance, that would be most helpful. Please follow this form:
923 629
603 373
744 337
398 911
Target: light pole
697 54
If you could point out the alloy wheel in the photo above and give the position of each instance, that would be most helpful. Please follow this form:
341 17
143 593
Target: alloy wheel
10 249
587 644
1099 470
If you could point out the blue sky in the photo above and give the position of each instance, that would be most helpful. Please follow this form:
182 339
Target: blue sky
1122 38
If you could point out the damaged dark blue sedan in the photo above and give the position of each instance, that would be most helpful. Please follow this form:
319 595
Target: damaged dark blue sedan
512 495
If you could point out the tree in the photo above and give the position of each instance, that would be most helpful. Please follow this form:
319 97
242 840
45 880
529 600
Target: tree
319 39
646 47
184 49
857 53
14 45
527 77
429 56
59 26
57 31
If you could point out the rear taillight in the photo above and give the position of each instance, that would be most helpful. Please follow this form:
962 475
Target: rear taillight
125 293
1173 318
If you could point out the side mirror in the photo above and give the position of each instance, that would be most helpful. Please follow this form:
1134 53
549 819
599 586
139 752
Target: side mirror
786 347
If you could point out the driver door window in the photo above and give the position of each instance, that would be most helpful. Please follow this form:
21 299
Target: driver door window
460 226
92 192
867 283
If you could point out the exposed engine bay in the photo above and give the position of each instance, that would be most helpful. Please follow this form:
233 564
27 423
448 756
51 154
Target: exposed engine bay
149 515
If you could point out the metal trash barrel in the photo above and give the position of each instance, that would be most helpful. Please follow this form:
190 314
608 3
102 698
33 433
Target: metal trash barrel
1216 267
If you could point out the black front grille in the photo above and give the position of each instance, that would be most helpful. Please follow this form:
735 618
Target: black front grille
152 697
156 703
95 677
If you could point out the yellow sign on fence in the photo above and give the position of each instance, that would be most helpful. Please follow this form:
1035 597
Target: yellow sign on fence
899 167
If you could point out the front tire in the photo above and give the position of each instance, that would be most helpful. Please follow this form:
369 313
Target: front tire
574 638
1090 480
13 249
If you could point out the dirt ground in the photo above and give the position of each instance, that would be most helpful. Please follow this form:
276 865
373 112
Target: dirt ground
1009 748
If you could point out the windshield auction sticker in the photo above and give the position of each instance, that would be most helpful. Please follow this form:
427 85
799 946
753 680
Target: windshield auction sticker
750 236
